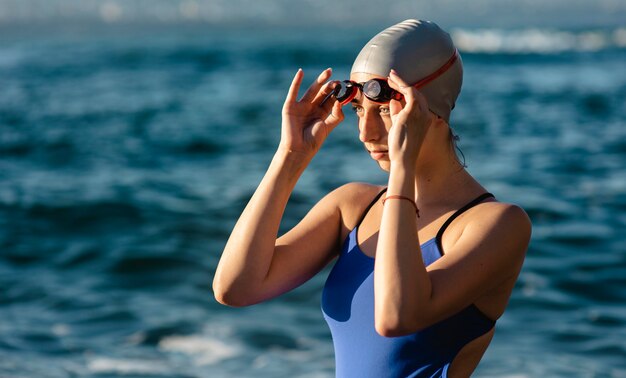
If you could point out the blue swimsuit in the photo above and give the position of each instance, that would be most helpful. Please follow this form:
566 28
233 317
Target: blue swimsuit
348 307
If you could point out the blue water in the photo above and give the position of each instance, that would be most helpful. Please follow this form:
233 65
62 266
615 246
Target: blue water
126 157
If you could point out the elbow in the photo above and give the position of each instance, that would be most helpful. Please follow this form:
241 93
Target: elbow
226 295
394 326
389 331
230 301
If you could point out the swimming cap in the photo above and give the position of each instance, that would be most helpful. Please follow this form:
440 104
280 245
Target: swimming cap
417 50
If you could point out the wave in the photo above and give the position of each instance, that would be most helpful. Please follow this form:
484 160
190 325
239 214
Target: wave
203 349
127 366
538 41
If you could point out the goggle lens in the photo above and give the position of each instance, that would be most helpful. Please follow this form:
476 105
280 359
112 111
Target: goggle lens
345 91
377 90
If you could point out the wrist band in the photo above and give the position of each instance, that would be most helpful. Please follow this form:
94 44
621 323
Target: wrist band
417 211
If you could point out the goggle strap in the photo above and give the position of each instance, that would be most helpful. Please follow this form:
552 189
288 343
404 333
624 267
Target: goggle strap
439 72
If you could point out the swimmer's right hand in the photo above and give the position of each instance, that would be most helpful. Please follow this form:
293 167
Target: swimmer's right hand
307 123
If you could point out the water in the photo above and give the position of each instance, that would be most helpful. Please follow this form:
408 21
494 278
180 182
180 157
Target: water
126 157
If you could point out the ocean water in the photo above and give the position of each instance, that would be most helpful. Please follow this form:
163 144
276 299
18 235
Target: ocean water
126 157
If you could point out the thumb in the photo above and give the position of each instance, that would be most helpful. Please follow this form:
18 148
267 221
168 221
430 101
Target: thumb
395 107
335 117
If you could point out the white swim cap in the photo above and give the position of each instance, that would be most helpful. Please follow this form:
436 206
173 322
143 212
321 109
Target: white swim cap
423 54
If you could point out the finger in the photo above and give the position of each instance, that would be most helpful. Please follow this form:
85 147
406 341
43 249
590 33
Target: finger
292 95
330 91
395 107
313 90
410 93
421 101
325 97
336 115
397 83
417 100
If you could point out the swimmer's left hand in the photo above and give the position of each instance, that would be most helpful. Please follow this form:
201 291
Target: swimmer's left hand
410 121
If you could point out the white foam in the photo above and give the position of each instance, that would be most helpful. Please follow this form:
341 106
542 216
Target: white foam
203 350
105 365
619 37
593 41
189 9
542 41
61 329
111 11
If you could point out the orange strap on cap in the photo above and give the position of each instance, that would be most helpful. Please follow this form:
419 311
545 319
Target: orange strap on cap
439 72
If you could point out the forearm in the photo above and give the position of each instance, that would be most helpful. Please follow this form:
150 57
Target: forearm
401 283
248 253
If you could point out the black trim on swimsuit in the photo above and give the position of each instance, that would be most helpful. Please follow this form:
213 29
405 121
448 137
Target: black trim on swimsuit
445 225
370 206
460 211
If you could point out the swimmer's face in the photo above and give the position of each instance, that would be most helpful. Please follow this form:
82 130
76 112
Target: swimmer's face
374 122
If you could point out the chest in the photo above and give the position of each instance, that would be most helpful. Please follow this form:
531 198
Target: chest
429 228
349 288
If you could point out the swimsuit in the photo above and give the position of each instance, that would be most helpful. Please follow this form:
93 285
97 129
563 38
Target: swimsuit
348 307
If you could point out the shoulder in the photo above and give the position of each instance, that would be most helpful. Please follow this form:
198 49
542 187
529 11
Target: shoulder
352 199
499 224
500 216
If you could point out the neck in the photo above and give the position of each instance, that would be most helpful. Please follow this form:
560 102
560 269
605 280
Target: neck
442 181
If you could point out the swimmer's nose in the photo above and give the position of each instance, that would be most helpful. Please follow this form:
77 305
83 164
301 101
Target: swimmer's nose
371 127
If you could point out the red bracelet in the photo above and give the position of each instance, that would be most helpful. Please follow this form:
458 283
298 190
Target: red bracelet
417 211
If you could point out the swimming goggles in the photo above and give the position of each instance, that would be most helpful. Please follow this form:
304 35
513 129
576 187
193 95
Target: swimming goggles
378 90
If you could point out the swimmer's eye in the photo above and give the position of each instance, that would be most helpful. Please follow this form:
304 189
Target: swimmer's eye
384 110
357 109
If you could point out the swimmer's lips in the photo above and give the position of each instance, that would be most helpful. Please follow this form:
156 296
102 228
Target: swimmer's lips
378 154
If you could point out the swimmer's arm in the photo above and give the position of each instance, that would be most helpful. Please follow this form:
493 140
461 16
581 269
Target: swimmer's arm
255 266
489 253
398 269
409 296
243 273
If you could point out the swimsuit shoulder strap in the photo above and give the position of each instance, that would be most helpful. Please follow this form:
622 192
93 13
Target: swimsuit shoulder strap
460 211
367 209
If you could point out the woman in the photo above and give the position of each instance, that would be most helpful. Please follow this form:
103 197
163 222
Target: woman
405 298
